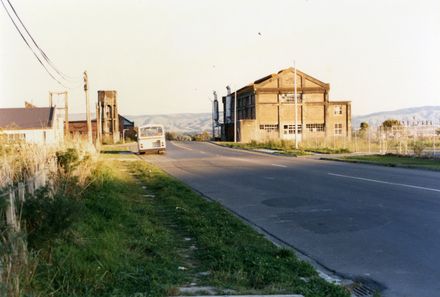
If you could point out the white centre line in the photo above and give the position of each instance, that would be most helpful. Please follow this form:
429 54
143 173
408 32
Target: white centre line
385 182
279 165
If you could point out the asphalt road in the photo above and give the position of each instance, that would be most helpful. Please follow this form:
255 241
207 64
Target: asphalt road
362 221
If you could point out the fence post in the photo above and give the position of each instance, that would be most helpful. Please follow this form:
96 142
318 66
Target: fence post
369 140
11 217
30 186
21 192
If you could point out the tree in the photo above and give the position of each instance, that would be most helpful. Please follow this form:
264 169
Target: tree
170 135
390 123
364 126
205 136
363 129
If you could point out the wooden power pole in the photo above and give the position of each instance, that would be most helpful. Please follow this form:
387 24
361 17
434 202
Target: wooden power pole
89 120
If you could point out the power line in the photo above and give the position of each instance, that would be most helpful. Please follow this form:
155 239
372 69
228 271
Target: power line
63 75
30 47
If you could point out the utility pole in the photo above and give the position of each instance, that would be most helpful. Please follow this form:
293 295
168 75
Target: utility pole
89 120
66 114
296 104
214 114
235 116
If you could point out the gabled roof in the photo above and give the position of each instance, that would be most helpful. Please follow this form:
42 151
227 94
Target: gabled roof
125 119
258 82
26 118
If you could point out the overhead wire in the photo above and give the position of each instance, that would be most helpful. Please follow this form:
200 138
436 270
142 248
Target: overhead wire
62 74
45 57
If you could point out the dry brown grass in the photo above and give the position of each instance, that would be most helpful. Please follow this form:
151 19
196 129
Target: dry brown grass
20 162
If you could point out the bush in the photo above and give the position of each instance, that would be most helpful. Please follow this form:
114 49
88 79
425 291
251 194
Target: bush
46 217
170 136
418 148
68 160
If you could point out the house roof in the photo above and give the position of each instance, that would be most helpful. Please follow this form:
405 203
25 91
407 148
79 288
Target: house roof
26 118
126 120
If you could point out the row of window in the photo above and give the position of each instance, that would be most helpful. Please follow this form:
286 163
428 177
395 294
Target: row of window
290 129
13 137
315 127
269 128
338 129
337 110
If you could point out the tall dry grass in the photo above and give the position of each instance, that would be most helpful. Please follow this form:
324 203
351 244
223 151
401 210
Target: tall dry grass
20 162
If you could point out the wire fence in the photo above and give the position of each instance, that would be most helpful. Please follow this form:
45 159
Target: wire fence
403 140
15 194
14 254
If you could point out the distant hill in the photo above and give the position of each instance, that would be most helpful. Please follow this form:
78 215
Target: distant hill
424 113
198 122
179 122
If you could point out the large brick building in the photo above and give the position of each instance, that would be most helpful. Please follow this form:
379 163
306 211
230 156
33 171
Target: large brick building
265 110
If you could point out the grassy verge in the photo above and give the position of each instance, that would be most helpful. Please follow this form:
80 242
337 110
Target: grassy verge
397 161
139 232
230 254
279 147
114 248
285 147
327 150
119 151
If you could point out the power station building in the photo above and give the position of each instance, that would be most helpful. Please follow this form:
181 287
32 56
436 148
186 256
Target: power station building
266 110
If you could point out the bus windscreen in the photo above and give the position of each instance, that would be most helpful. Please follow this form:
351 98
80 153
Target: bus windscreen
150 131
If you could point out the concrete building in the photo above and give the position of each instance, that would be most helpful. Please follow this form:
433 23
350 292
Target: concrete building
38 125
107 124
265 110
107 116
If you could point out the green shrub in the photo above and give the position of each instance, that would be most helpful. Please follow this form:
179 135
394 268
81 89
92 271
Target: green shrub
47 217
418 148
68 160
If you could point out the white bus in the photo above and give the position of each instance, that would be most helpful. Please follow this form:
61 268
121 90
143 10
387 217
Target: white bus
151 138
